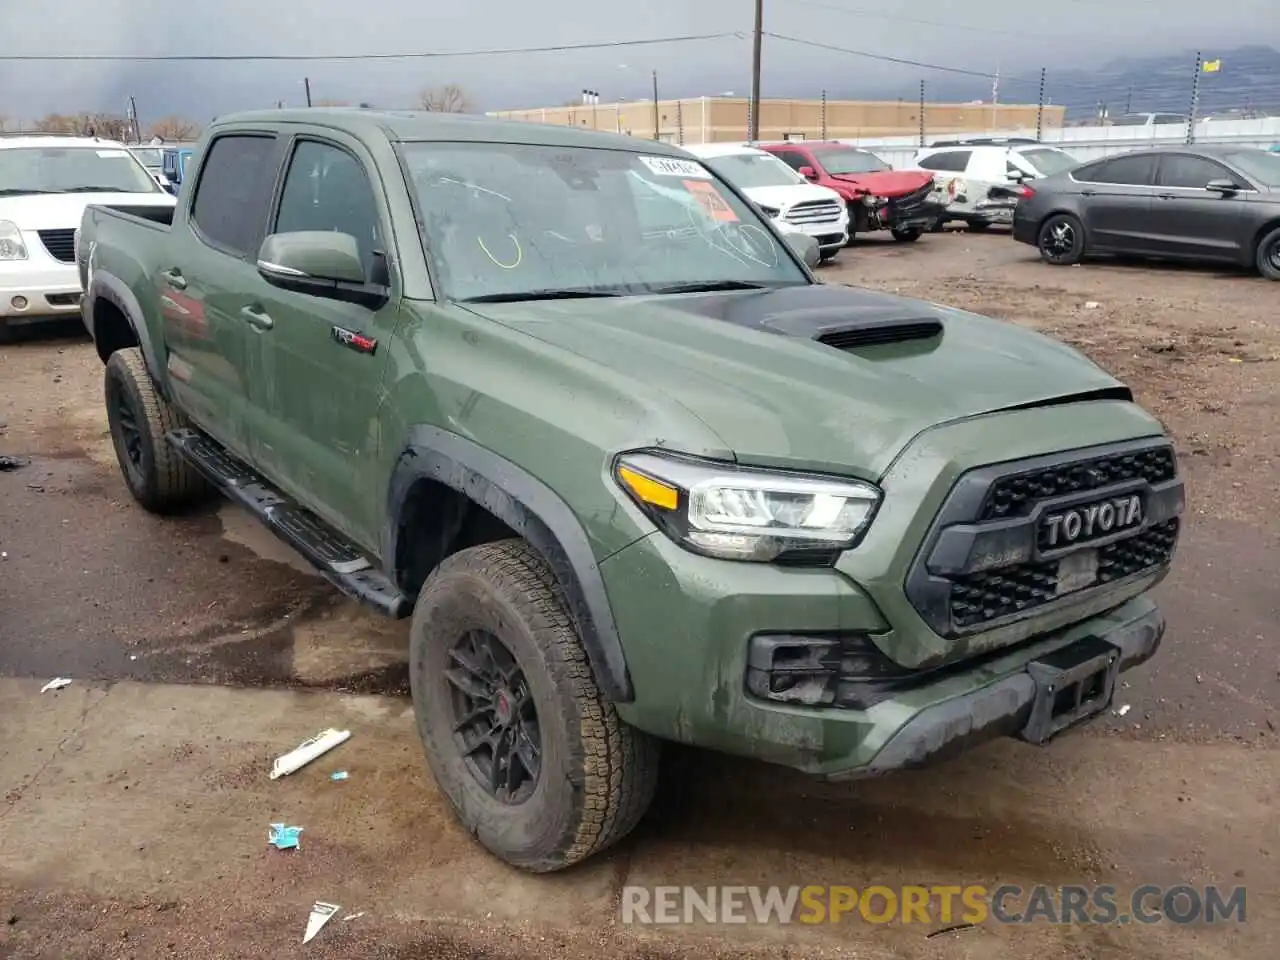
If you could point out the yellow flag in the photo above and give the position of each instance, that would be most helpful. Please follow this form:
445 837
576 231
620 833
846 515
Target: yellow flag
1212 66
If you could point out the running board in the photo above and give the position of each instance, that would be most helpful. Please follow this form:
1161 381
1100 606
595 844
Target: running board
337 560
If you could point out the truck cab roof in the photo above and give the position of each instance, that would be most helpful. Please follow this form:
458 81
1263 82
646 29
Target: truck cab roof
406 126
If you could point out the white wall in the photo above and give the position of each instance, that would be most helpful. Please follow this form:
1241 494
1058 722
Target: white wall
1089 143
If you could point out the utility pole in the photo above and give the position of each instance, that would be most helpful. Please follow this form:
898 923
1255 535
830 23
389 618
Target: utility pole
1195 101
823 134
656 135
1040 108
133 118
921 113
753 134
306 82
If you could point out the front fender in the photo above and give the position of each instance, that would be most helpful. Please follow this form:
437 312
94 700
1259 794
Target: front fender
536 513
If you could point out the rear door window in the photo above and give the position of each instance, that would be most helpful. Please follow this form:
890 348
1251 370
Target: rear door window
950 161
1129 170
229 208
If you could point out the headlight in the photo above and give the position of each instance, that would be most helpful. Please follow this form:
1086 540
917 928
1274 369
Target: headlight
736 513
11 245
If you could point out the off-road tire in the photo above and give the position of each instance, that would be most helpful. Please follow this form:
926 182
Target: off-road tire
1267 257
1070 256
598 775
161 480
910 235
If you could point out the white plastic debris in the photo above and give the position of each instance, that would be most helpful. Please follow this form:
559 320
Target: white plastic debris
320 914
1092 305
57 683
1121 711
353 916
308 750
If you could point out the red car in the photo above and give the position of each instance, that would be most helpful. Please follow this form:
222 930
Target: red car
878 197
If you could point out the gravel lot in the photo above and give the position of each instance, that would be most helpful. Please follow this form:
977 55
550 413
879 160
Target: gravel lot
136 801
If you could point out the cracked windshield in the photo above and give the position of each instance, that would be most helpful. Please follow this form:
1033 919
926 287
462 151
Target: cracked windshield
36 170
513 222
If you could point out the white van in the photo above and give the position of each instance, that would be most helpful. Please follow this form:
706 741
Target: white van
780 192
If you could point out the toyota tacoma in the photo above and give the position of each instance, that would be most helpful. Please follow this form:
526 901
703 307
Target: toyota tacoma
573 405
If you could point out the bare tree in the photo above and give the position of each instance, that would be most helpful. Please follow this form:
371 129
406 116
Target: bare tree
450 98
105 125
173 128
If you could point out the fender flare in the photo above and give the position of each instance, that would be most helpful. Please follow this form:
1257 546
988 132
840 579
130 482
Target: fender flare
106 286
531 509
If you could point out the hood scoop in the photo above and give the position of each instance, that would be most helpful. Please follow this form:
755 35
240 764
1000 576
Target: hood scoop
849 328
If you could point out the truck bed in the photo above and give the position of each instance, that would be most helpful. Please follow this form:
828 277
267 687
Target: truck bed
154 217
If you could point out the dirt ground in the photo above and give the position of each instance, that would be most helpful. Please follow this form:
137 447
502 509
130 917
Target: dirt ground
136 801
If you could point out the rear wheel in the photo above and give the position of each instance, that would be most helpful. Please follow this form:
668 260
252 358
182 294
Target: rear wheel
908 235
1061 240
155 473
1268 255
533 759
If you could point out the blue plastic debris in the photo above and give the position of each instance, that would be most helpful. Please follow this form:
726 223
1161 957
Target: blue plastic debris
284 838
338 775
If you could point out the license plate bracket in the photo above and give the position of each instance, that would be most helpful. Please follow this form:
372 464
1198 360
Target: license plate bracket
1072 684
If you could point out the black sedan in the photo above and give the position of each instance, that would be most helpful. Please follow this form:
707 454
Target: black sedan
1209 203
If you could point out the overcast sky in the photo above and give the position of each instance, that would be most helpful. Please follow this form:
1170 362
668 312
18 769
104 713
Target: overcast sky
1017 36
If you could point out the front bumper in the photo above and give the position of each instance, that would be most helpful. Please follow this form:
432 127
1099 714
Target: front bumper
844 671
30 290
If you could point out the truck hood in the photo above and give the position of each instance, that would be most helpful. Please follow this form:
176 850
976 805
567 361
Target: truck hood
63 211
886 183
750 366
787 196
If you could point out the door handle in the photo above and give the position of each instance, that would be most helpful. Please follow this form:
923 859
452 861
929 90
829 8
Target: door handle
175 279
1088 193
257 318
1167 196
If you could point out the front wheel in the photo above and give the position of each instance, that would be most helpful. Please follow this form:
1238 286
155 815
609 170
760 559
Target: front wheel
907 235
1061 240
1268 255
534 761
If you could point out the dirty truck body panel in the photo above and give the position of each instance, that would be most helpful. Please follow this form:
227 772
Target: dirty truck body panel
1017 506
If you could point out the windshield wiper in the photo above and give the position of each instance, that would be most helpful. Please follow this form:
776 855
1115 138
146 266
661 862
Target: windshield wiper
565 293
709 286
18 192
91 188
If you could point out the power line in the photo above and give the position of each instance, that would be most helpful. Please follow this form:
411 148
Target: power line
282 57
901 60
898 18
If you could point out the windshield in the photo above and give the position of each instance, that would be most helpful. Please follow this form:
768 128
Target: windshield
515 221
1049 162
1259 165
851 161
747 170
26 170
149 156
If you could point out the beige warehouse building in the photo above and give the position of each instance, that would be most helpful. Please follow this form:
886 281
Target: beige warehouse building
724 119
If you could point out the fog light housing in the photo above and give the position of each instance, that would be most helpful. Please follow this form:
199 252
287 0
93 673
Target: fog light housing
822 670
19 303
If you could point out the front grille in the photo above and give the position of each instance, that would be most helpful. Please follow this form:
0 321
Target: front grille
994 595
989 559
814 211
912 202
60 244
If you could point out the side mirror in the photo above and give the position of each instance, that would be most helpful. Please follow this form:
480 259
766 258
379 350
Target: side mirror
1221 186
320 263
809 173
806 247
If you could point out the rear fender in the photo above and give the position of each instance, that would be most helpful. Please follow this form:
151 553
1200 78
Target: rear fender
105 286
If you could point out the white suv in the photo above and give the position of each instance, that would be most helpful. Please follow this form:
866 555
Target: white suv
789 199
982 177
45 184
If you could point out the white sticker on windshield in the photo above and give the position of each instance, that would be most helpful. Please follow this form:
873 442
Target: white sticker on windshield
674 167
113 153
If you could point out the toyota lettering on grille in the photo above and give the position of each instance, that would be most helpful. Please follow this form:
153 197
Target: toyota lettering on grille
1092 521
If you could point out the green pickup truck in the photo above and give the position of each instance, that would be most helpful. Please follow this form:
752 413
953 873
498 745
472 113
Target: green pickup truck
573 404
